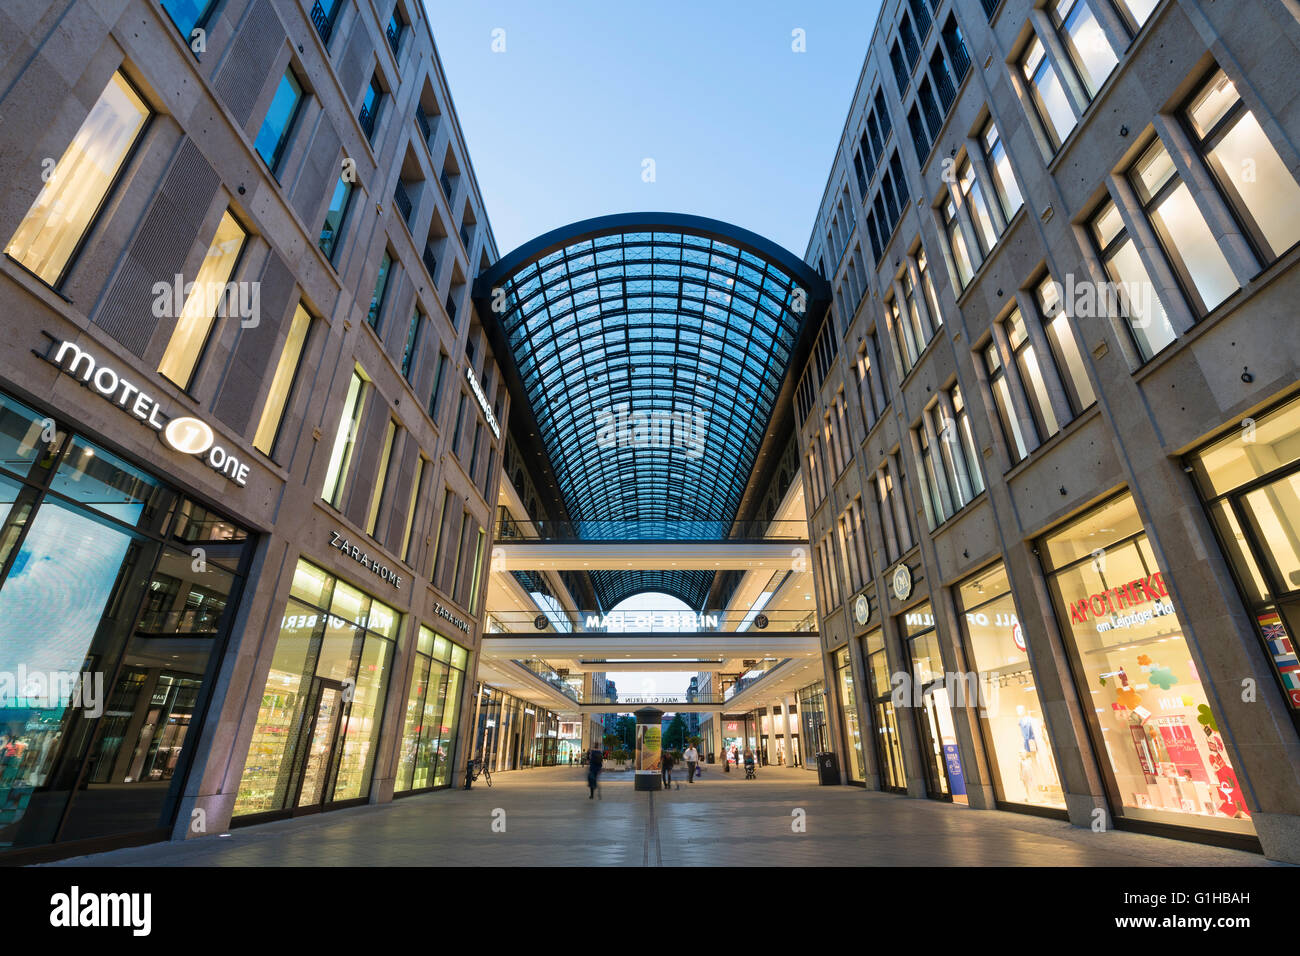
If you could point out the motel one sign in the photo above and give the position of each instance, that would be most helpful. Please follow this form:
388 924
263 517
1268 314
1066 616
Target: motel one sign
189 436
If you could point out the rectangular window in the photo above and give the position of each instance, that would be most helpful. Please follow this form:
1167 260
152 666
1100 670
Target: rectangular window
411 505
286 371
369 116
977 207
935 497
1054 110
279 120
59 218
1074 376
1024 768
381 478
439 375
1136 11
477 573
460 422
1151 721
905 348
473 454
443 517
412 340
885 515
1017 443
999 164
381 290
961 259
931 298
1135 293
1246 167
344 440
1031 374
1091 53
966 464
209 296
898 499
335 217
1191 248
188 14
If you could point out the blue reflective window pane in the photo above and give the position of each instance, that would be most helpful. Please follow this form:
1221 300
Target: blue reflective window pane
275 128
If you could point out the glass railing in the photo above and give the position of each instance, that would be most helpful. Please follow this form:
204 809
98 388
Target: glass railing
753 675
653 530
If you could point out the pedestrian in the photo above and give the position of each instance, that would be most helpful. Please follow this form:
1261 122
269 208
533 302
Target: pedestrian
595 760
666 768
749 762
692 758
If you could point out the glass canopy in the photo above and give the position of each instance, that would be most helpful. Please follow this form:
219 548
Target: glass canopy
651 349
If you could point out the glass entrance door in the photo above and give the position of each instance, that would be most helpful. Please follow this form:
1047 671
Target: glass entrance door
322 740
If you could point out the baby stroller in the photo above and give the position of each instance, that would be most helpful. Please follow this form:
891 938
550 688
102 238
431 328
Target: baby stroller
749 768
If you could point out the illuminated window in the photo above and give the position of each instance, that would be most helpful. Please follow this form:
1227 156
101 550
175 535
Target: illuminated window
1134 294
286 370
194 324
54 226
381 478
1054 110
344 440
1245 166
1082 36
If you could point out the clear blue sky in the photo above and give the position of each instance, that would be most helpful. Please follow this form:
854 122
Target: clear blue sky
740 127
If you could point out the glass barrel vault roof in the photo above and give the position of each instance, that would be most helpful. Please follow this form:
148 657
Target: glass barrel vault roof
651 349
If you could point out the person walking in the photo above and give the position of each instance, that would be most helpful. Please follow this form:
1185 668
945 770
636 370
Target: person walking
595 760
666 768
692 758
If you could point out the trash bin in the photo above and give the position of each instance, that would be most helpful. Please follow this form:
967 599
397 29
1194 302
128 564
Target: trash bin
828 769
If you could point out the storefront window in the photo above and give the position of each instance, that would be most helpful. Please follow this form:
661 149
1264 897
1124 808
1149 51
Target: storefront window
510 733
432 712
109 631
889 747
318 726
812 708
1024 768
943 771
1250 482
849 708
1166 758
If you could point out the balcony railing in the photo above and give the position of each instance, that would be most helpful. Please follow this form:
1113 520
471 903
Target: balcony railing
394 34
451 309
989 7
402 201
322 20
367 119
464 237
446 184
430 263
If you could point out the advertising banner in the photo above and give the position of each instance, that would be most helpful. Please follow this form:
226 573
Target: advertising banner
648 747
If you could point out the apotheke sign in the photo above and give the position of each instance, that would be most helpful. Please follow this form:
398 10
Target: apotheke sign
189 436
482 400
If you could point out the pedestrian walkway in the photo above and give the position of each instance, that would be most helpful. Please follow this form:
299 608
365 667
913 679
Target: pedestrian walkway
542 817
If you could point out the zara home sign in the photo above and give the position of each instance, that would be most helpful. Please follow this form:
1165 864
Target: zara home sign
373 565
189 436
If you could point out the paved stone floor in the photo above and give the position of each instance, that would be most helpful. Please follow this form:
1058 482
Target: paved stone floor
720 820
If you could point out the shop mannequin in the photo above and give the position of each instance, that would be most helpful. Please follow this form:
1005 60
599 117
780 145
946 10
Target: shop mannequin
1028 729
